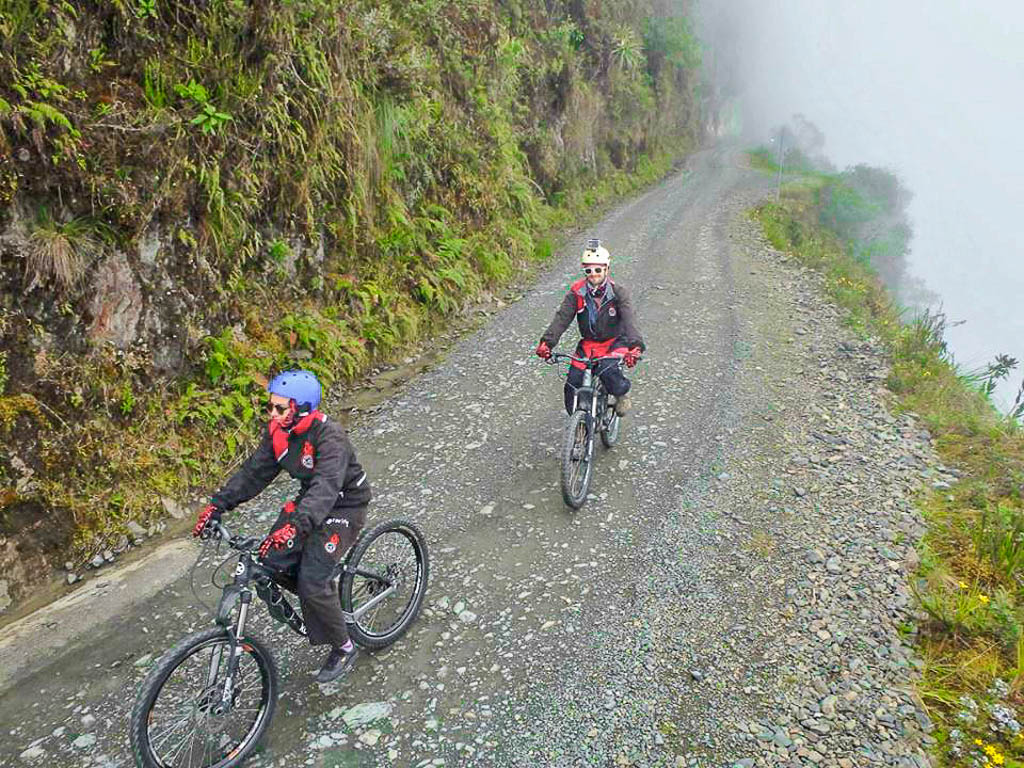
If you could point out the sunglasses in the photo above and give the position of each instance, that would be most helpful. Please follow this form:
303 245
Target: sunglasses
593 270
279 409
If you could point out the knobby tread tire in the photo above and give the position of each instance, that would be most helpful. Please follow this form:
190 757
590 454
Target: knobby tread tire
376 642
576 501
610 436
162 669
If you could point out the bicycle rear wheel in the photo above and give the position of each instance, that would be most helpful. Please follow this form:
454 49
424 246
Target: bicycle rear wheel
577 459
179 719
384 581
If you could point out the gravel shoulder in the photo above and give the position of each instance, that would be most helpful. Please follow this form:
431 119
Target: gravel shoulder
735 592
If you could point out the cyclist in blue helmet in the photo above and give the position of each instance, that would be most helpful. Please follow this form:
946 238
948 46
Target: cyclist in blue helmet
314 530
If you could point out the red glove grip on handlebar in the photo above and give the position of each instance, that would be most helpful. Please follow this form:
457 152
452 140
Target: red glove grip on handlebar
543 351
278 539
632 357
210 512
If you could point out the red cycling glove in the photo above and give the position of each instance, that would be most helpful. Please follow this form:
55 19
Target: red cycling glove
543 351
632 357
210 512
279 539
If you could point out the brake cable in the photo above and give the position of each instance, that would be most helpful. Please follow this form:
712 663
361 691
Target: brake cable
192 575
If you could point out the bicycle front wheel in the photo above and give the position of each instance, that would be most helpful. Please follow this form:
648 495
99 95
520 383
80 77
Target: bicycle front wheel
577 459
181 719
384 581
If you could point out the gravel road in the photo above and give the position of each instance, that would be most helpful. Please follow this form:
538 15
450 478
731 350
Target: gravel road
734 593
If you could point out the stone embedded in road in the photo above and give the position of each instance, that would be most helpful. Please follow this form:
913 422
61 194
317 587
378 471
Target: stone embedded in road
84 741
370 738
364 714
467 617
324 742
828 706
32 753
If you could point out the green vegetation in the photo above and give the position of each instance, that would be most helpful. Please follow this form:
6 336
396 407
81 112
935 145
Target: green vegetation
310 183
971 578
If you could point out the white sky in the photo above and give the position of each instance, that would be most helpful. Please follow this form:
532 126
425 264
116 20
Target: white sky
934 91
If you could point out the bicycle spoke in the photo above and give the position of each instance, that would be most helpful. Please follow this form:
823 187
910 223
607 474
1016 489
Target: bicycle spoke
191 746
172 760
166 735
391 563
172 757
185 731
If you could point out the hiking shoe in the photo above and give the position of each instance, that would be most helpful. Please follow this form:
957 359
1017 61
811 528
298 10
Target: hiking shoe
337 663
622 405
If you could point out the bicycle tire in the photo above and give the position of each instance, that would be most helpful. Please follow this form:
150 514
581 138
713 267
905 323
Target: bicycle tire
361 635
610 433
152 685
576 498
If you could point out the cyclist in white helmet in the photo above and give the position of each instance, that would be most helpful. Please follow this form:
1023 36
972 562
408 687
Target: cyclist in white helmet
604 313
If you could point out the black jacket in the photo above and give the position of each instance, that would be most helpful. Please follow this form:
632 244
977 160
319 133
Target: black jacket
613 320
322 459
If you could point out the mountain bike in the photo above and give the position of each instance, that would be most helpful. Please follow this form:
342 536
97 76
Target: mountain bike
591 412
208 701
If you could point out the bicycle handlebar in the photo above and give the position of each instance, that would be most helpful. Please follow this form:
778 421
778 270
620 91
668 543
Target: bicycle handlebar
558 356
218 530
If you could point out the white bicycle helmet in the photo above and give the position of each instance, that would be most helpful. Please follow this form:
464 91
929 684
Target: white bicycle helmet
595 253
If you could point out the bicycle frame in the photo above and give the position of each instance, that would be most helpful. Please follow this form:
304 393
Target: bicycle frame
592 384
250 575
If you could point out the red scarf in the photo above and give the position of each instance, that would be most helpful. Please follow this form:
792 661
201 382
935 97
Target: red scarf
279 433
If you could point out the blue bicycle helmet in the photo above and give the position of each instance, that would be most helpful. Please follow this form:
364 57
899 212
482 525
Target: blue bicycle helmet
300 386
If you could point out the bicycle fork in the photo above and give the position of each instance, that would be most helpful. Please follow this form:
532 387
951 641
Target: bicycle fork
227 689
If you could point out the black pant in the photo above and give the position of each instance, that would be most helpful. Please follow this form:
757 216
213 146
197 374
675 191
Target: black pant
308 568
611 376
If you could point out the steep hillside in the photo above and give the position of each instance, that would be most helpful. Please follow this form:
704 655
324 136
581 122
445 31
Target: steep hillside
193 195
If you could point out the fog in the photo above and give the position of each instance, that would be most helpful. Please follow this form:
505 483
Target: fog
934 92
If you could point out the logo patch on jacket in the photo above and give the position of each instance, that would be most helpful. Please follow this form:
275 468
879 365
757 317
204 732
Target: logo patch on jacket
307 455
332 544
611 312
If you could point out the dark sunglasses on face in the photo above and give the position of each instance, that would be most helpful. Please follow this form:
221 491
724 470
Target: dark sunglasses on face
593 270
277 408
